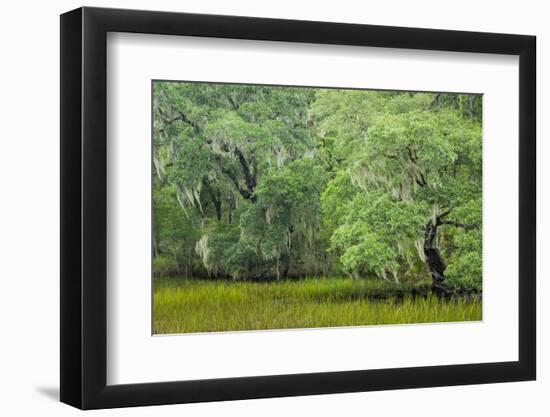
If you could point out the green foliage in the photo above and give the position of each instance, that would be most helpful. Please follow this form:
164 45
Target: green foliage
414 160
165 266
175 232
287 211
465 271
372 232
257 182
223 253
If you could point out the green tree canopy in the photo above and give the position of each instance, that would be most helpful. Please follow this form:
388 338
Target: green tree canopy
406 182
258 181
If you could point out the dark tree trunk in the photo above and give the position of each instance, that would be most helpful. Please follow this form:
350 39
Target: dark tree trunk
155 246
286 256
434 260
215 197
249 177
229 211
285 260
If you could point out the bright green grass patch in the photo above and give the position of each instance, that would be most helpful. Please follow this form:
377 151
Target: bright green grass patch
191 306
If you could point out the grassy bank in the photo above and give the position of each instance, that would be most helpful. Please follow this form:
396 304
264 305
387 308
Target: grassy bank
189 306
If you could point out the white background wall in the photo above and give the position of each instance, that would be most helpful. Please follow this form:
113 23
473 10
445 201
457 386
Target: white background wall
29 225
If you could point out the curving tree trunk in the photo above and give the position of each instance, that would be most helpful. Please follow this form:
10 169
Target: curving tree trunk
434 260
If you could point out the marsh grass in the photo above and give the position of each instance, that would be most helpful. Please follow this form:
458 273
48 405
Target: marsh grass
191 306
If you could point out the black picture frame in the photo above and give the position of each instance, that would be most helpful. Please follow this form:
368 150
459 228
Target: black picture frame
84 207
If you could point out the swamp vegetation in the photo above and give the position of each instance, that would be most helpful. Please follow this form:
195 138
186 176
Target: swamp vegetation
289 207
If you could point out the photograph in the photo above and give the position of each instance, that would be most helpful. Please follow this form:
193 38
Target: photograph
290 207
339 205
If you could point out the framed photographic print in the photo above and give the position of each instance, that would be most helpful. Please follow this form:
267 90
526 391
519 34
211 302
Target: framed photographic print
256 208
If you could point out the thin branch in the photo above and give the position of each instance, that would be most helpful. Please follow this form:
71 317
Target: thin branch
181 116
244 192
461 225
435 101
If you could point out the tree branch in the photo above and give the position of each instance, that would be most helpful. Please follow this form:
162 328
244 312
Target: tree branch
461 225
244 192
181 116
445 213
435 101
249 177
214 193
233 102
412 157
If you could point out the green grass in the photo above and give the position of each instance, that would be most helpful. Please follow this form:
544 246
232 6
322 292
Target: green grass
190 306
